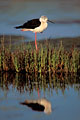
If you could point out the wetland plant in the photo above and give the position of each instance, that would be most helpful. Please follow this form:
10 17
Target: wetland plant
47 59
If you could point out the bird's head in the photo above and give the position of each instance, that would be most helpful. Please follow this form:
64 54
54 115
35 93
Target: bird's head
45 19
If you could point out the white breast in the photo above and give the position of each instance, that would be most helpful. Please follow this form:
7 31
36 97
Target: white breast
41 28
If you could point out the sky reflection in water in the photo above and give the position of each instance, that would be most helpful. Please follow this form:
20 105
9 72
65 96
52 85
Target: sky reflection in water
63 93
14 13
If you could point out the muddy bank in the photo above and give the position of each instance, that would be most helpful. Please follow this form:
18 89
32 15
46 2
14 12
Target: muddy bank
14 40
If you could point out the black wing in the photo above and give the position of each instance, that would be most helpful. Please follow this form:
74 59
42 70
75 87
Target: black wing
31 24
34 106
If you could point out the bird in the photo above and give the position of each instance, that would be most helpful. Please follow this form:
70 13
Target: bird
37 25
42 105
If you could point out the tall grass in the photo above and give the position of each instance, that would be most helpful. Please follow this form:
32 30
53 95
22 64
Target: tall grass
47 59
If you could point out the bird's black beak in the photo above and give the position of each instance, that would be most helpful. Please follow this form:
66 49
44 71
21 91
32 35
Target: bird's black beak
51 21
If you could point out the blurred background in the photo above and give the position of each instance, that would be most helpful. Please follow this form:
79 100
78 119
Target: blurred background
65 14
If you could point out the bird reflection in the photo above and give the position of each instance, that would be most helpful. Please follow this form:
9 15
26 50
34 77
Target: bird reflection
41 105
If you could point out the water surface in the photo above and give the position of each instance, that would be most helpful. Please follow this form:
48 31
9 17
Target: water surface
14 13
62 92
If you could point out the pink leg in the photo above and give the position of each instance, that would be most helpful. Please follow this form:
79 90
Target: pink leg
35 41
36 51
38 92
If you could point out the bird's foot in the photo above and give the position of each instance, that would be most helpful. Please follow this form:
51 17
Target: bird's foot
22 29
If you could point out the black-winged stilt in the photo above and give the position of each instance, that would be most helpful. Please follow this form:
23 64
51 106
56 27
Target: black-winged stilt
36 26
39 105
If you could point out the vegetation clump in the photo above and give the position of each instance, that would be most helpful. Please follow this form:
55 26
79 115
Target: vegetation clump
46 59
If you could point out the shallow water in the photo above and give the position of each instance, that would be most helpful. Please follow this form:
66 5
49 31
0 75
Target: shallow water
65 14
62 92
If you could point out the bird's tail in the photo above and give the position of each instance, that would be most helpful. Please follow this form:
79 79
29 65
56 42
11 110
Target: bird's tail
18 27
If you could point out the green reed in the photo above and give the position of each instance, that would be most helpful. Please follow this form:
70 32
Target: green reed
46 59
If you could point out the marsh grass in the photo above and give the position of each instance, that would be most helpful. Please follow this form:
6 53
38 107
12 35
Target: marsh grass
48 59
